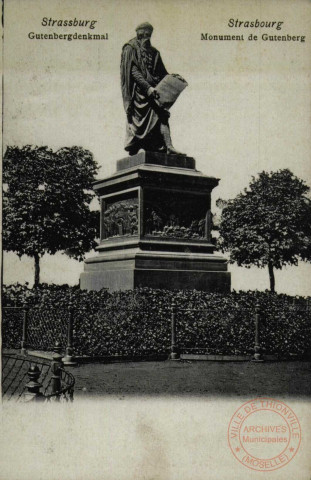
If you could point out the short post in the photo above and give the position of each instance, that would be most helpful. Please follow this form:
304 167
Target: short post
56 381
69 359
257 349
25 328
33 394
174 355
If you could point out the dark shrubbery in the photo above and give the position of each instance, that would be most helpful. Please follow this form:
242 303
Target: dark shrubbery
138 322
11 328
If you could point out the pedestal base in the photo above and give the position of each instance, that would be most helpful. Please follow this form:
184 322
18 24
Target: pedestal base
172 271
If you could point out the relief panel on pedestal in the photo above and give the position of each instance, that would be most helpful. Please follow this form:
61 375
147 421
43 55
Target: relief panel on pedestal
177 215
119 216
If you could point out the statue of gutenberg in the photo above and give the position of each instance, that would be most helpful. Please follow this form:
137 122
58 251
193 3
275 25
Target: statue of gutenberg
141 71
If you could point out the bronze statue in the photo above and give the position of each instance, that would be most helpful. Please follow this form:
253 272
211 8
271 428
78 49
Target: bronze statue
142 70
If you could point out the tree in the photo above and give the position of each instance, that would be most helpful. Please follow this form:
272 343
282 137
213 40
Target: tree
46 202
269 224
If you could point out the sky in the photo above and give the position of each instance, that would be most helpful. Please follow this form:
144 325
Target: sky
246 109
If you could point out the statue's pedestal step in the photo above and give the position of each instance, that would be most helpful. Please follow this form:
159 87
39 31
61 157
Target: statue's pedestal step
156 158
168 270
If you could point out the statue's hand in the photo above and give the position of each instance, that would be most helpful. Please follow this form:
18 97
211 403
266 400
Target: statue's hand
151 92
176 75
156 94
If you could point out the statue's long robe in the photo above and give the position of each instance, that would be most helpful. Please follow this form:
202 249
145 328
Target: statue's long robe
141 69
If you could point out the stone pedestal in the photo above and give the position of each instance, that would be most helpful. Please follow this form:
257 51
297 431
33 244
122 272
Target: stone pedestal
156 228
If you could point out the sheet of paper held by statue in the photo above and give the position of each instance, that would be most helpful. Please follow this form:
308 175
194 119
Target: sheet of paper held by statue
156 316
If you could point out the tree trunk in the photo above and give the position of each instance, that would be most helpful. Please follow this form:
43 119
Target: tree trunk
271 277
37 269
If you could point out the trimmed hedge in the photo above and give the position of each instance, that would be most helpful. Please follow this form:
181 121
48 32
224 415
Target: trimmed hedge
138 322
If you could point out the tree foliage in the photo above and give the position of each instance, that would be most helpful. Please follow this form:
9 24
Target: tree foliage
269 224
46 201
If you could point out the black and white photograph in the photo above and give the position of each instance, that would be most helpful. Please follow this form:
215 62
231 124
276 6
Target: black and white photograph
156 240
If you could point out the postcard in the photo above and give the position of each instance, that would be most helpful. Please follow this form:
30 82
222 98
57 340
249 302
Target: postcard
114 186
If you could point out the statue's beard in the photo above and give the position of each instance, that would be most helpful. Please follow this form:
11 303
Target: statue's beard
145 42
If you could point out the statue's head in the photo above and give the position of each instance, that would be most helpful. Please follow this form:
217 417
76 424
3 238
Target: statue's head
144 32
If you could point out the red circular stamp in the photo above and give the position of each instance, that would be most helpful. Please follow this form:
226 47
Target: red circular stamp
264 434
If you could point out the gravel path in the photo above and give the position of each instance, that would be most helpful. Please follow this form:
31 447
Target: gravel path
185 378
